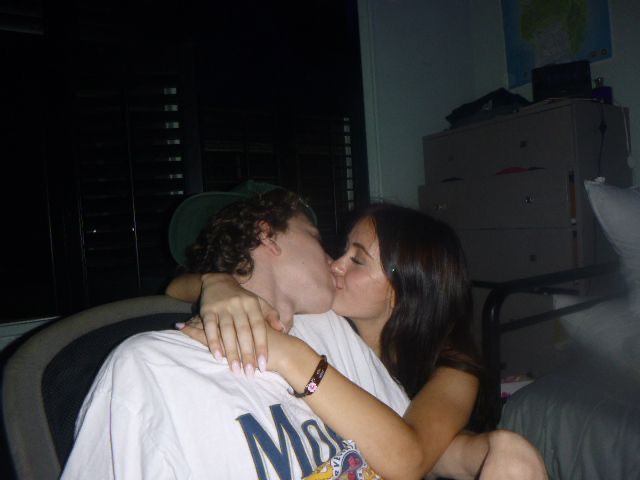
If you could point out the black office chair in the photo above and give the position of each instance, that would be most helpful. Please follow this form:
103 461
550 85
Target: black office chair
46 379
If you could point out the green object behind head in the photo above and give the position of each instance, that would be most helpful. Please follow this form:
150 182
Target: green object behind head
193 213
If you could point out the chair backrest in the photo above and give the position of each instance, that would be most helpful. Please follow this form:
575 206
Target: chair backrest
46 379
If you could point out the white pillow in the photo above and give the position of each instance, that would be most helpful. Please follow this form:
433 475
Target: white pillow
609 330
618 211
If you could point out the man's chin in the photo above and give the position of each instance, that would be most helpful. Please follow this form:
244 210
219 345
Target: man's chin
319 306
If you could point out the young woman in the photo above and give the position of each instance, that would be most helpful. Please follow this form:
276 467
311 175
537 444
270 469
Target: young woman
403 283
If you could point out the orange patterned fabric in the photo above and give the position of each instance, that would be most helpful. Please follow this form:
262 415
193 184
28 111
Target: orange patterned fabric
348 464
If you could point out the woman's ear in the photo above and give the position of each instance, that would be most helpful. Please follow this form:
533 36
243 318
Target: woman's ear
268 238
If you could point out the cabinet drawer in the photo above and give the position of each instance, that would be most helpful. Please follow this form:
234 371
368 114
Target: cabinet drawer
500 255
547 139
459 155
543 139
539 198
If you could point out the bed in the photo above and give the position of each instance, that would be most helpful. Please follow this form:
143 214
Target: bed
584 417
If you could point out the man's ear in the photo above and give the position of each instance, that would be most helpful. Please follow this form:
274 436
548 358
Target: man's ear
267 238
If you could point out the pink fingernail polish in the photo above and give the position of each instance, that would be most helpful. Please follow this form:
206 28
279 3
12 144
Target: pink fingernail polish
235 368
249 370
217 355
262 363
179 325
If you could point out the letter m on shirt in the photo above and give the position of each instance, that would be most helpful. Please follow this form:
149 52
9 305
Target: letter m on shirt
259 442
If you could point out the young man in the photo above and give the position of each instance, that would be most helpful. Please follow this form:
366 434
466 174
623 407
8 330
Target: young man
162 407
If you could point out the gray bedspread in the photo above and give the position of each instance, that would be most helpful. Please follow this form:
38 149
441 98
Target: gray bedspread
585 420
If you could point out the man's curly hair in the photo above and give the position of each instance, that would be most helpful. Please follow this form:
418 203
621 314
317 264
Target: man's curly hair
226 242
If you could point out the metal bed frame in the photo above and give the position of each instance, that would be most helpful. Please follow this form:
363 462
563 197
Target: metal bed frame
493 326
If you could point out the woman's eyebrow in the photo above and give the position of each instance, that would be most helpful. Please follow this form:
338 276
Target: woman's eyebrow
361 247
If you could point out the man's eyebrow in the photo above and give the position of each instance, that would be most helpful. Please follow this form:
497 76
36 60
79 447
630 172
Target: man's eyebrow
316 233
361 247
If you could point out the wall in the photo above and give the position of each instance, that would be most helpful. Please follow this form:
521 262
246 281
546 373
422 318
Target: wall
417 65
9 332
621 71
421 59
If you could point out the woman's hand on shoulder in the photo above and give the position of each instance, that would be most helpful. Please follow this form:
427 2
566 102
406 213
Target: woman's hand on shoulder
511 456
233 323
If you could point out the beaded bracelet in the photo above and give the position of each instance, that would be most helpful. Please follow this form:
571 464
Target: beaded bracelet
315 379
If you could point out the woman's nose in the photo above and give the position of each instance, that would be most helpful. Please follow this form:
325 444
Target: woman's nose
337 266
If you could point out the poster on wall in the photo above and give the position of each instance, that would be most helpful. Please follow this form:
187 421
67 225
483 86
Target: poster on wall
543 32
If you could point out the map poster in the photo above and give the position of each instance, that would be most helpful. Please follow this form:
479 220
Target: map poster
542 32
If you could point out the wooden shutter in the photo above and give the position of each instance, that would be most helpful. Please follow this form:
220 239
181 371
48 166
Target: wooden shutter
310 154
130 168
324 164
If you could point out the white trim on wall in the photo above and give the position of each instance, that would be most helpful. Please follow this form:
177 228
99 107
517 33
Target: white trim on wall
367 54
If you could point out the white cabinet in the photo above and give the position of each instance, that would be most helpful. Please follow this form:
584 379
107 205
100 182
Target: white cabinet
513 186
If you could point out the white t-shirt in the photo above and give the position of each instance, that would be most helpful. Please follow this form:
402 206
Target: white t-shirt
162 407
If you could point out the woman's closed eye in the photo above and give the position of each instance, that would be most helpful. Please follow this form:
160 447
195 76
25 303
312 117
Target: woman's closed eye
357 261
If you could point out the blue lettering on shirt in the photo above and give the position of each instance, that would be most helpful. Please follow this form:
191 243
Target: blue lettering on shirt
259 441
315 447
336 438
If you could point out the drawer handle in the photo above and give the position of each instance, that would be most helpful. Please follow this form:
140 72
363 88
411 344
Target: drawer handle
529 199
439 206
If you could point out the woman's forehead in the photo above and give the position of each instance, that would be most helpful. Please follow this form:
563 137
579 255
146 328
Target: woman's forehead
364 233
364 228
